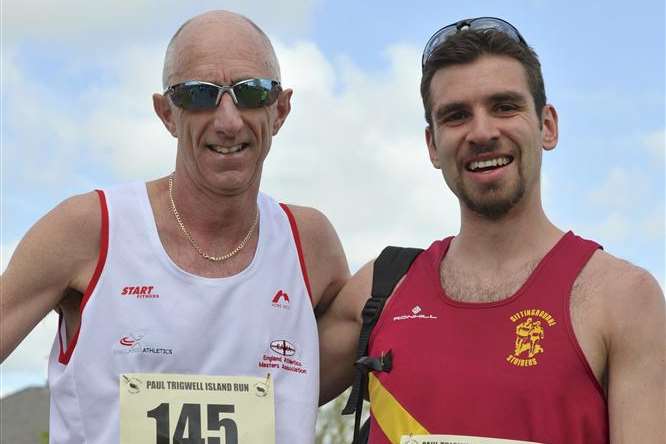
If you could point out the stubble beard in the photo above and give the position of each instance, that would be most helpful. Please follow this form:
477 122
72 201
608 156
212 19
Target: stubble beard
489 201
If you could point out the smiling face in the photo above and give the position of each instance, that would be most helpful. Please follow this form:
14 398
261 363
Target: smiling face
223 149
486 136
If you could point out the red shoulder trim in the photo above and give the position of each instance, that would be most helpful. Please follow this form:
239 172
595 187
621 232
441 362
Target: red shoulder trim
299 247
101 260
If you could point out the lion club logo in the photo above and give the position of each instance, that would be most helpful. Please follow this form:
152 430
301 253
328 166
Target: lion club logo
530 332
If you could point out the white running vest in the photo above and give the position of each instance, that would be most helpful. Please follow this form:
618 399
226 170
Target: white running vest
142 313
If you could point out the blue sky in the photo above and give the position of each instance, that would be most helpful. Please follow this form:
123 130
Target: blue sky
76 115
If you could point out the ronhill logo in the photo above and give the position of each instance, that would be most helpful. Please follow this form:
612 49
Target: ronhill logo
416 314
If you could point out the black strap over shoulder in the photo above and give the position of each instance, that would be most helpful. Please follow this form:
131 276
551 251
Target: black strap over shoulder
389 268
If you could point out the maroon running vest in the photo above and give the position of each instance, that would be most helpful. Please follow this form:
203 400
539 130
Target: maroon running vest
511 369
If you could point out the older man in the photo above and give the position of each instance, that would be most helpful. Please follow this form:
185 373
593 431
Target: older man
186 303
513 329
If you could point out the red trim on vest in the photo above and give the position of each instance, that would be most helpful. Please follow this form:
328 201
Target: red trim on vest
582 260
101 260
299 247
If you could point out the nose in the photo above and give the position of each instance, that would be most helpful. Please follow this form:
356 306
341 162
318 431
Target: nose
228 119
483 129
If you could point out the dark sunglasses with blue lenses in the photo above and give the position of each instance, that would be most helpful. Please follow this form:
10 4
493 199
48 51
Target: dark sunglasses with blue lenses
195 95
479 23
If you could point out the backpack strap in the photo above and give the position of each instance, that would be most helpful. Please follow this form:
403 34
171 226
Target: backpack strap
389 268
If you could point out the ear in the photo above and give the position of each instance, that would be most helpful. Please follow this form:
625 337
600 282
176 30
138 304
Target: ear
163 109
283 108
432 147
549 129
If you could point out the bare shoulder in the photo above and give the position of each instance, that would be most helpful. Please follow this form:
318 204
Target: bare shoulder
76 222
58 253
61 240
621 292
324 256
312 223
81 211
620 281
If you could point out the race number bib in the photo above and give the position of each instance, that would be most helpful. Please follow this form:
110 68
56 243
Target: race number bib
456 439
195 409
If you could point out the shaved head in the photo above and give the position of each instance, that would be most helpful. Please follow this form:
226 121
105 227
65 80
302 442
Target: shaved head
240 35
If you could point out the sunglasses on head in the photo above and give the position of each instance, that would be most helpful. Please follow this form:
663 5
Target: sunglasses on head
479 23
195 95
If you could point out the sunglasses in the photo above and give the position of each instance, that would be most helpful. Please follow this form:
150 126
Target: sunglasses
195 95
474 24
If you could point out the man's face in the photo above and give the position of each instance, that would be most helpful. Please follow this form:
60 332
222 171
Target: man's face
486 136
223 149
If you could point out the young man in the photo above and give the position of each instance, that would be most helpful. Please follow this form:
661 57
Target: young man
186 303
513 329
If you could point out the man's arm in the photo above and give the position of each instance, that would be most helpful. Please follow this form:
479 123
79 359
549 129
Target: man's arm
636 341
58 252
339 330
338 320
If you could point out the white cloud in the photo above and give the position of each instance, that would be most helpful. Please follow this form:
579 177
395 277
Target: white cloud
359 154
620 189
630 231
615 228
653 226
621 211
113 125
655 143
38 121
122 130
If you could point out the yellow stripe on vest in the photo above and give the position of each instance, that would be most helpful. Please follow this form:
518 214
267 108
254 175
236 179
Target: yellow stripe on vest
391 417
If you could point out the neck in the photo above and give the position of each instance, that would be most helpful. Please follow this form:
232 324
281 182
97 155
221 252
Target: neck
217 225
523 234
205 211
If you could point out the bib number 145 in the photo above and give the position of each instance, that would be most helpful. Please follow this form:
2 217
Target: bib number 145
188 428
196 409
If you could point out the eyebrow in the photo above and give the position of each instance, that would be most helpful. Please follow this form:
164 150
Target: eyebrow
507 96
448 108
503 96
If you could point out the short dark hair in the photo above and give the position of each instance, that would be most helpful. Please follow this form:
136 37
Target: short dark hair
467 46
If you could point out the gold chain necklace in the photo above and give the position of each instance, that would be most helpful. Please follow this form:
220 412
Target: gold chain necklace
195 244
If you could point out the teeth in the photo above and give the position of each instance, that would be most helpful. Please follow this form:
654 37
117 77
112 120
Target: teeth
478 164
226 149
